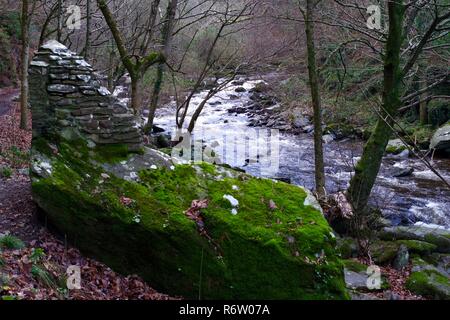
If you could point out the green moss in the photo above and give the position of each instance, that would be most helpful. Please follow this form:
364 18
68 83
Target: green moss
347 247
429 283
384 251
354 265
286 253
11 242
416 246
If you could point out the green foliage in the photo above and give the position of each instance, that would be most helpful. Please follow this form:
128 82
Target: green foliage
43 276
2 261
438 112
37 255
10 22
354 265
11 242
5 172
429 283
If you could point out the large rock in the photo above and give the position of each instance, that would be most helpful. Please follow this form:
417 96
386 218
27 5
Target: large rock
441 138
132 212
395 146
429 280
437 236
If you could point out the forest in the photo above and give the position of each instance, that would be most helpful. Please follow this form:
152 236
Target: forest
224 150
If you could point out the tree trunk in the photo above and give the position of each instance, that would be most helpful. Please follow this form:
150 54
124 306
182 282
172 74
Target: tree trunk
88 30
135 93
60 21
367 168
166 39
315 97
423 112
155 98
24 71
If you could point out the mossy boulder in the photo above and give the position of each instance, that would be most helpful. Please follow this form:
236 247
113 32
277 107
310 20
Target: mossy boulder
441 138
429 283
354 265
384 252
131 212
395 146
437 236
419 247
340 130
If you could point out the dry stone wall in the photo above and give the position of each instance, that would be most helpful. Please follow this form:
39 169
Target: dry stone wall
66 97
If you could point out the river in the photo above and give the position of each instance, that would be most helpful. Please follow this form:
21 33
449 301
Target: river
419 197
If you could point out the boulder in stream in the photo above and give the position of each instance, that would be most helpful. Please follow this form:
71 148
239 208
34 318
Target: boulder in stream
441 138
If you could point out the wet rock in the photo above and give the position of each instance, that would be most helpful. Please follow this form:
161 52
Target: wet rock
402 172
395 146
240 89
300 120
437 236
441 138
238 82
327 138
283 179
308 129
157 129
238 110
61 88
429 283
402 258
260 87
355 280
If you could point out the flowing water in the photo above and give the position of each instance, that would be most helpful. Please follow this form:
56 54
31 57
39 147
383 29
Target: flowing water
418 197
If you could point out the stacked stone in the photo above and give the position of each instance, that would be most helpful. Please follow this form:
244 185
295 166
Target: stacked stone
65 93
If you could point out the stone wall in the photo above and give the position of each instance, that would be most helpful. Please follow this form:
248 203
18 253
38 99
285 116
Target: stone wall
66 97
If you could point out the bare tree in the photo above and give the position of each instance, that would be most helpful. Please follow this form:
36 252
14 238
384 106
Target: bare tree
308 15
141 63
25 26
166 41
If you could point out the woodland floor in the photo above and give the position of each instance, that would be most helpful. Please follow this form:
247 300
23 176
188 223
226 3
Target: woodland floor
18 217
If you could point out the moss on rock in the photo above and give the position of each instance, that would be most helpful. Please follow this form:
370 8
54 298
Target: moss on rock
384 252
140 227
419 247
429 283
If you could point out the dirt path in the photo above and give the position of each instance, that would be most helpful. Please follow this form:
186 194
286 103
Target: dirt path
6 97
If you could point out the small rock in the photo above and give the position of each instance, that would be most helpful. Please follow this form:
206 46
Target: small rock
327 138
402 258
403 172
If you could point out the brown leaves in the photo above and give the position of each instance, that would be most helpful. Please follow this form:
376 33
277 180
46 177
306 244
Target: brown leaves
193 212
127 202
